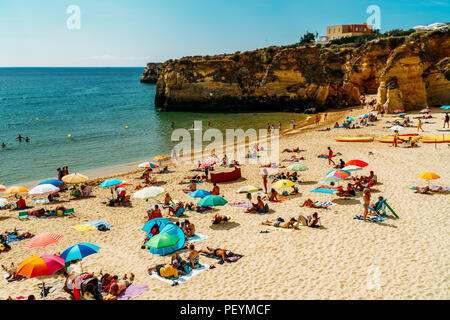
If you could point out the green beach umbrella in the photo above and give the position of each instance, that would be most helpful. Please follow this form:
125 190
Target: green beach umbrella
211 201
162 240
298 167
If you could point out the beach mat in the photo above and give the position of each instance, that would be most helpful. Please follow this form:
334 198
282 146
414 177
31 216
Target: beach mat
131 291
182 278
375 219
13 238
97 223
84 227
242 205
279 228
197 238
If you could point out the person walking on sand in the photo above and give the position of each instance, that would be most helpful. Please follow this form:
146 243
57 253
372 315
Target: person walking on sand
419 126
279 126
447 120
317 119
265 181
293 123
395 141
325 117
366 200
330 156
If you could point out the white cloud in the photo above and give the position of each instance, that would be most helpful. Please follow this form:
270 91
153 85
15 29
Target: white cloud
107 57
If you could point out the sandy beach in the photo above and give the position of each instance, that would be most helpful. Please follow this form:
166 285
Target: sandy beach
406 258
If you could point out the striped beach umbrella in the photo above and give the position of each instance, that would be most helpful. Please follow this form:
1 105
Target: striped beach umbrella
147 165
338 174
42 240
79 251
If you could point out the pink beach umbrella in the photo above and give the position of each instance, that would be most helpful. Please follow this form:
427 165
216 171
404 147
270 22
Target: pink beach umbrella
2 188
42 240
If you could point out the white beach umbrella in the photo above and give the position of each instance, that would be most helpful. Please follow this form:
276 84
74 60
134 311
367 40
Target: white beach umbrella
351 168
398 128
43 189
3 202
149 192
2 188
248 188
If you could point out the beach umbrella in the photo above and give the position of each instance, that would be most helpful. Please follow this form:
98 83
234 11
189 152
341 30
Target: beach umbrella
16 189
298 167
358 163
162 240
324 189
428 176
339 174
149 192
160 158
200 193
75 178
110 183
331 179
426 110
351 168
42 189
445 107
248 189
54 182
398 128
42 240
284 183
2 188
398 111
79 251
40 265
350 119
211 201
401 114
147 165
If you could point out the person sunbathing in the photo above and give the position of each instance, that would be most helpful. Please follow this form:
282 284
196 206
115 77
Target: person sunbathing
117 287
168 200
11 273
194 256
425 190
219 219
293 159
221 253
308 203
309 221
192 187
164 170
40 213
272 196
167 271
291 224
292 150
139 187
22 234
174 209
294 191
188 229
258 207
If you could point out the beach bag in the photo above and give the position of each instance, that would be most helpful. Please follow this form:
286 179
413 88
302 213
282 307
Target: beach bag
249 196
280 219
266 208
285 193
59 213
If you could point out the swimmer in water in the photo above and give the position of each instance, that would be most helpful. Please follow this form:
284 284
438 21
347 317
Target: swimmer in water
172 124
3 145
19 138
27 139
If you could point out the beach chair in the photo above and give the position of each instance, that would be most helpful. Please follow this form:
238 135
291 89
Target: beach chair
381 209
23 215
69 212
179 212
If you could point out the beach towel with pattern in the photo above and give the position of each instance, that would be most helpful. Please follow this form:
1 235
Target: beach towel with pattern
197 237
182 278
131 291
375 219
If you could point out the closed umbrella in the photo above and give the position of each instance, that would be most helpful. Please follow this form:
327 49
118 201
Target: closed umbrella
199 193
16 189
110 183
149 192
75 178
42 240
43 189
281 184
211 201
54 182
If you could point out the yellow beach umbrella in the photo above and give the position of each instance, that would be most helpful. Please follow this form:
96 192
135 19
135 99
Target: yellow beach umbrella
428 176
284 183
16 189
75 178
160 158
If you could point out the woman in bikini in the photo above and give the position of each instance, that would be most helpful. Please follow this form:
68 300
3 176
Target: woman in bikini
366 200
221 253
291 224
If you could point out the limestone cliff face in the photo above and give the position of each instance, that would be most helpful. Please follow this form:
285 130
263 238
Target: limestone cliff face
151 72
407 72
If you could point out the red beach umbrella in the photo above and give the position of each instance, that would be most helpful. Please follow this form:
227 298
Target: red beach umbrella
358 163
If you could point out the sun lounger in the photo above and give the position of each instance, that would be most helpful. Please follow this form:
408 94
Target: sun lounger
381 208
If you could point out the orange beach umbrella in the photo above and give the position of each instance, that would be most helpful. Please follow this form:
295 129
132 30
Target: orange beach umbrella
16 189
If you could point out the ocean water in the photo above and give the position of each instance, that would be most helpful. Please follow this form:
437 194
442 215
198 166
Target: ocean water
93 105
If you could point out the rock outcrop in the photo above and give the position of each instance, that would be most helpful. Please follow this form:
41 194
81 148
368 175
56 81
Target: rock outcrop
407 73
151 72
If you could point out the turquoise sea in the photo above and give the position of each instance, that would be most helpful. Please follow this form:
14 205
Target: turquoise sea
93 105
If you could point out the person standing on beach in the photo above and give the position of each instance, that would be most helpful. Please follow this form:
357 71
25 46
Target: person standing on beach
330 156
366 200
447 120
293 123
395 141
273 130
325 117
65 171
419 126
317 119
268 128
279 126
265 181
60 174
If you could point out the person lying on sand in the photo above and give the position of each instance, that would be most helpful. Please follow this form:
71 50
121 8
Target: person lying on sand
194 207
12 273
425 190
164 170
117 287
292 150
21 234
139 187
293 159
309 221
272 196
167 271
192 187
291 224
218 219
221 253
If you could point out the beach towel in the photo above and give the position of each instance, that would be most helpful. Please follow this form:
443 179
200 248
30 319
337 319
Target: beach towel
323 204
131 291
40 201
84 227
97 223
238 256
375 219
182 278
13 238
197 237
280 199
195 183
242 205
279 228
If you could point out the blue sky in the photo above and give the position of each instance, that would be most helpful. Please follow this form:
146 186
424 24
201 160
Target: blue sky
134 32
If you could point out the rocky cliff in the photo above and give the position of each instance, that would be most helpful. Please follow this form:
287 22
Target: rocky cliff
407 73
151 72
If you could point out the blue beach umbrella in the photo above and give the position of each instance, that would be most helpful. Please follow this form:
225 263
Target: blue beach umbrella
200 193
79 251
110 183
161 222
324 190
54 182
445 107
350 119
